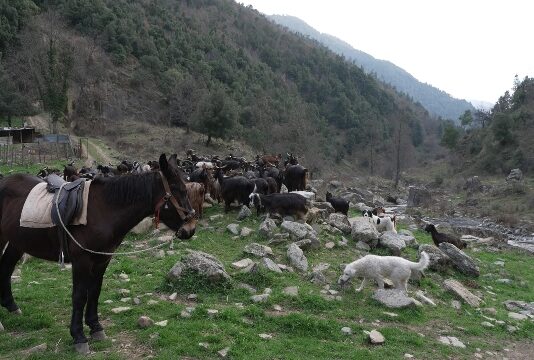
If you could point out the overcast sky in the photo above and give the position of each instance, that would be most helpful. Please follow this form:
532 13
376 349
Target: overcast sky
471 49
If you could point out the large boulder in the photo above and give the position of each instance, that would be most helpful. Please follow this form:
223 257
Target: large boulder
418 196
267 228
244 213
515 175
297 258
408 238
143 226
365 231
455 287
392 241
325 207
439 261
298 231
361 207
201 263
340 222
473 185
258 250
393 298
463 262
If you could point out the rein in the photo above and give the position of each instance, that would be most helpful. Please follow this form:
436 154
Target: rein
167 197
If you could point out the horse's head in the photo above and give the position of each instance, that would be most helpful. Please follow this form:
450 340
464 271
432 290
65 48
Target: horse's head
177 212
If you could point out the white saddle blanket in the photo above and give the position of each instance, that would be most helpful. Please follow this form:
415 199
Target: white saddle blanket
37 209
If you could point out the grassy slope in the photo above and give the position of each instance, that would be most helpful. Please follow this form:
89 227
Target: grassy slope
309 325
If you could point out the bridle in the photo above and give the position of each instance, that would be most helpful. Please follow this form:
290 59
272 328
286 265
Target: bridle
183 213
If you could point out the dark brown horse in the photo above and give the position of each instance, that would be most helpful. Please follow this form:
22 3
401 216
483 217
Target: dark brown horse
115 206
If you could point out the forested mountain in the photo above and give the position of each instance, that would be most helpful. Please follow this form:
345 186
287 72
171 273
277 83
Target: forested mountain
499 139
433 99
214 66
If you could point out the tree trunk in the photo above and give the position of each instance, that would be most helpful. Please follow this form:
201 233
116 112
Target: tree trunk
9 120
209 140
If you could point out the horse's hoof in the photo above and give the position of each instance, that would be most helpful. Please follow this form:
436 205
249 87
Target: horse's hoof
82 348
99 336
16 312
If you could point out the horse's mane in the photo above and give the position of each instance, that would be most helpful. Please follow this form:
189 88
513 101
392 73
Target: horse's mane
128 189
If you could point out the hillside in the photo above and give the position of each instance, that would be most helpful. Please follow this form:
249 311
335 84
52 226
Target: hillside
433 99
220 69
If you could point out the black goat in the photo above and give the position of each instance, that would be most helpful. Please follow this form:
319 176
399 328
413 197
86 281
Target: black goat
295 178
234 188
283 204
262 186
439 238
339 204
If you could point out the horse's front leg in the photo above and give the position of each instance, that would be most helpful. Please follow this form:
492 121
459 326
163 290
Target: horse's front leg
7 265
80 281
91 312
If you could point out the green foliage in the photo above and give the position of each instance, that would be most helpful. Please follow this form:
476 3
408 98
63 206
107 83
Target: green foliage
450 136
13 15
501 128
466 119
216 116
12 102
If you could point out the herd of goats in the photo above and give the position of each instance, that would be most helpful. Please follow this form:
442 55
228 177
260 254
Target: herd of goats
269 183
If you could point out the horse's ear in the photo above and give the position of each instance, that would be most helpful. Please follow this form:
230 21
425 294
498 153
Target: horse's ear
173 160
163 164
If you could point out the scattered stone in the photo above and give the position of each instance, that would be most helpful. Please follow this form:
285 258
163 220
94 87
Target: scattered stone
408 356
343 242
243 263
160 254
330 245
439 261
490 310
144 322
108 301
165 238
291 291
390 314
317 277
120 309
36 349
152 302
173 296
346 330
393 298
392 241
143 226
212 312
421 296
244 213
233 229
451 340
265 336
252 268
270 265
299 231
216 217
203 345
360 245
223 353
297 258
463 262
460 291
487 324
365 231
126 299
259 298
258 250
201 263
376 338
123 276
245 232
504 281
1 327
418 196
124 292
306 244
515 175
267 227
519 306
277 308
247 287
517 316
340 221
511 328
185 314
473 185
136 301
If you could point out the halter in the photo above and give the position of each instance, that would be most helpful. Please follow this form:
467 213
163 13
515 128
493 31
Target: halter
182 212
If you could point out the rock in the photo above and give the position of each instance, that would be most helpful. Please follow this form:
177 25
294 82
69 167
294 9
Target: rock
313 215
223 353
421 296
317 277
201 263
517 316
267 228
265 336
160 254
392 241
192 297
515 175
291 291
456 304
123 276
418 196
408 356
297 258
346 330
363 230
252 268
204 345
335 184
362 207
451 340
306 244
376 338
143 226
245 232
439 261
473 185
487 324
340 222
259 298
144 322
299 231
519 306
330 245
120 309
152 302
243 263
460 291
216 217
244 213
504 281
360 245
247 287
212 312
270 265
1 327
325 207
408 238
343 242
393 298
463 262
36 349
233 228
258 250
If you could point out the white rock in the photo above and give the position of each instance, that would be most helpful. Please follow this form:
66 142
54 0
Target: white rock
517 316
173 296
120 309
346 330
223 353
376 337
242 264
212 312
144 322
451 340
291 291
162 323
265 336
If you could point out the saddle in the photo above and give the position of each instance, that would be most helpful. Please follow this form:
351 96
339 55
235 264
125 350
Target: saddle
69 199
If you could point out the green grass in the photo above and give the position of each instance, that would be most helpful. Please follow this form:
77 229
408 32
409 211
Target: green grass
308 327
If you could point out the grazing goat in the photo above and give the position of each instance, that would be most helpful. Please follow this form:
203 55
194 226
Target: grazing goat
439 238
272 185
196 192
339 204
283 204
70 173
295 178
261 186
234 188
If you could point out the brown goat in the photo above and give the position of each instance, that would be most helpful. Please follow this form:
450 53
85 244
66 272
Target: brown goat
195 192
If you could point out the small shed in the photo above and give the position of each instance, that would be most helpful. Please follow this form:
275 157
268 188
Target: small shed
17 135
